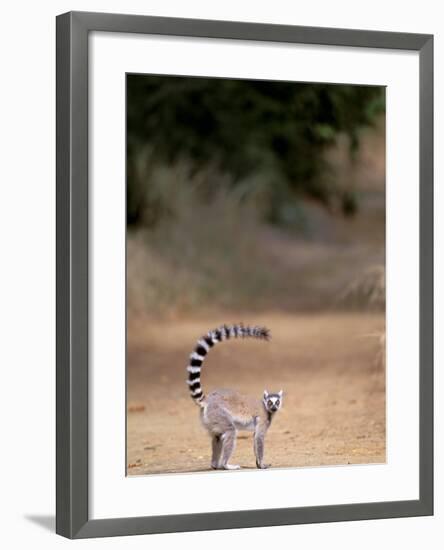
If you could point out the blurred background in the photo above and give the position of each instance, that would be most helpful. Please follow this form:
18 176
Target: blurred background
264 202
253 194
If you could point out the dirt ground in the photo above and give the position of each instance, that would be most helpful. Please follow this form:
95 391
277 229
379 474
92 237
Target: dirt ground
329 365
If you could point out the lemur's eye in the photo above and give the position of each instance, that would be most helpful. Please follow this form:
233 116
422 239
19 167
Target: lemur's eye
277 402
270 403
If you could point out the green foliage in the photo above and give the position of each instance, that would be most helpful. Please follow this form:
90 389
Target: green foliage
273 133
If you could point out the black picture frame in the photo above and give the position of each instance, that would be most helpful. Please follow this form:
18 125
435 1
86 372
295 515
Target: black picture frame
72 517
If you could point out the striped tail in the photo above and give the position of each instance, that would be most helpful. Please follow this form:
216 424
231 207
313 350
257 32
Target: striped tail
204 345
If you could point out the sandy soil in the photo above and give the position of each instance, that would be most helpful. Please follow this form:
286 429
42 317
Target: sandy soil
329 366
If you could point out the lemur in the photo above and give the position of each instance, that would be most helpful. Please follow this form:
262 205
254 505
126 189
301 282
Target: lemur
224 412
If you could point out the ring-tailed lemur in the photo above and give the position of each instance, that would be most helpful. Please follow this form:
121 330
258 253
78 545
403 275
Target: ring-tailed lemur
224 412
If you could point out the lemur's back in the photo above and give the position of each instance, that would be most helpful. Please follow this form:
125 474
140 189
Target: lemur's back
242 408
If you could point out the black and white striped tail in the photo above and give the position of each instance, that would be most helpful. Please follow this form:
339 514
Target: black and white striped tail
204 345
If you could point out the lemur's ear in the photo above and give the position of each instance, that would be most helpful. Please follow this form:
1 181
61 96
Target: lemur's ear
280 393
265 394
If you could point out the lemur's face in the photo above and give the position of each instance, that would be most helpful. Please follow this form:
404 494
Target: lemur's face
272 401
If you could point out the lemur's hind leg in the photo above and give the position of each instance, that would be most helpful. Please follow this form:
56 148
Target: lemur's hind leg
220 425
216 443
228 445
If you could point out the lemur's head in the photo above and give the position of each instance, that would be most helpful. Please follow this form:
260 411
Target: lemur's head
272 401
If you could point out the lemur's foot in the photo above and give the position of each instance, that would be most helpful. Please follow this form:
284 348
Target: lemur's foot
262 466
225 467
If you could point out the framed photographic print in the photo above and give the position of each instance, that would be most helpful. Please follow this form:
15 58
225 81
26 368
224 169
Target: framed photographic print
244 275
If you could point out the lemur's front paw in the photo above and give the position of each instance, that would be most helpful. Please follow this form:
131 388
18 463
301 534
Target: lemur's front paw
262 466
